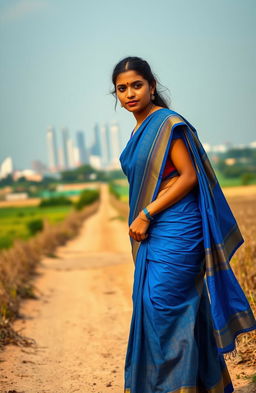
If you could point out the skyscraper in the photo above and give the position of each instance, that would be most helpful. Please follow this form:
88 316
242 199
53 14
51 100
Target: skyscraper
71 153
52 149
95 149
61 165
107 145
108 140
115 145
38 166
82 153
103 146
6 167
64 135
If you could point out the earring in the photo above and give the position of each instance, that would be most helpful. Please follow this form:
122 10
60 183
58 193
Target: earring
153 97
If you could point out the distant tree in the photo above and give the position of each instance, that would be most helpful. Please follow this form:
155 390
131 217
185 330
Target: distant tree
55 201
247 178
7 181
86 198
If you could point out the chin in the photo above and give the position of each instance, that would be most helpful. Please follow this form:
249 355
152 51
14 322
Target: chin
131 109
134 109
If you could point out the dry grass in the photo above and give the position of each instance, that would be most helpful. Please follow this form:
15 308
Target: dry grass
17 267
243 264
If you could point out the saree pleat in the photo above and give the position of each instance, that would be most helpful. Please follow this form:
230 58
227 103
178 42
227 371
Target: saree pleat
174 348
188 307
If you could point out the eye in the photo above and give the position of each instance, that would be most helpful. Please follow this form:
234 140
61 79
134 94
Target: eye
136 85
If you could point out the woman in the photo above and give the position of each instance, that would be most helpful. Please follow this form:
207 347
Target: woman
188 307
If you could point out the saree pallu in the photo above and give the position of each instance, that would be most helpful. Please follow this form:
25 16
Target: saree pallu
188 307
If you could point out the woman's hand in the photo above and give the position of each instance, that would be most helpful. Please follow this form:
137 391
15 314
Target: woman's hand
139 226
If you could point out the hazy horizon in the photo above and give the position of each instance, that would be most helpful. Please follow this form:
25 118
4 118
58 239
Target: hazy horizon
57 58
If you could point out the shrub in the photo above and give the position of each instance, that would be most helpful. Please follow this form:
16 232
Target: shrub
86 198
113 190
55 201
35 226
246 178
5 242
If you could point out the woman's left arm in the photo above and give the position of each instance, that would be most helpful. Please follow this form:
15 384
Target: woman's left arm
181 159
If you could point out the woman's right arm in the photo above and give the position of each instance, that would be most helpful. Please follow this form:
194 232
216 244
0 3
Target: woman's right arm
165 184
187 179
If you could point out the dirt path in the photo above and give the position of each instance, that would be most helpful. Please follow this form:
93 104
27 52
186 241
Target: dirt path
81 318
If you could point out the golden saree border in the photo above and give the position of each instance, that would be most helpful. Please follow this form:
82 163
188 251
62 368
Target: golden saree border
151 175
206 162
217 256
223 382
238 321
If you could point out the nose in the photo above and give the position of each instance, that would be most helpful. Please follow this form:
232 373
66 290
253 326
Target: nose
130 93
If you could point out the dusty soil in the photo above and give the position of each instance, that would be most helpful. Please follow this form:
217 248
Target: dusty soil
81 319
240 191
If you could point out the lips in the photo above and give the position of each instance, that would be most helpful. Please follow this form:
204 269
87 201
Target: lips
131 103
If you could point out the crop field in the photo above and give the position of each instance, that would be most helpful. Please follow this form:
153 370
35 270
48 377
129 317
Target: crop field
14 221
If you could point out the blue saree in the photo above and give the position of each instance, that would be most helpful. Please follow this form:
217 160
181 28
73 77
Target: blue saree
188 307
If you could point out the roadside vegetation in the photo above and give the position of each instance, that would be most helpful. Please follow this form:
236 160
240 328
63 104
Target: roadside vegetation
40 233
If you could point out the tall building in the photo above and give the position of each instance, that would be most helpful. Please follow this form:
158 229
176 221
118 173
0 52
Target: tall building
52 149
98 152
95 149
71 153
115 145
82 152
104 146
107 145
108 140
61 165
65 137
38 167
6 168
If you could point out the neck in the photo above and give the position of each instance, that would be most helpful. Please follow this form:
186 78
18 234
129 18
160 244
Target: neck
140 116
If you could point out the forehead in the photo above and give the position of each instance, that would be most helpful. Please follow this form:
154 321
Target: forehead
127 77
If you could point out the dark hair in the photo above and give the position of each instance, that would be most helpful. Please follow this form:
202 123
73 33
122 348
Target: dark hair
133 63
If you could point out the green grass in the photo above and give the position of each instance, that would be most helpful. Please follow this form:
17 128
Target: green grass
123 189
228 182
13 221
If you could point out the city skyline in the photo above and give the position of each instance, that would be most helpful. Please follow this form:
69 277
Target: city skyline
67 152
38 167
53 75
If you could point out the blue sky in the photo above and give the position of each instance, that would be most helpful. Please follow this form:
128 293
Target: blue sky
57 58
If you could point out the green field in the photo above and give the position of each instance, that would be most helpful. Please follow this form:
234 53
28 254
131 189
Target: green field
229 182
121 187
13 221
122 190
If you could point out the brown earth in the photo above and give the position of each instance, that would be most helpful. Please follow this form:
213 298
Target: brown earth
240 191
81 318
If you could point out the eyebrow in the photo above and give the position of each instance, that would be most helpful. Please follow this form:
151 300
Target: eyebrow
123 84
